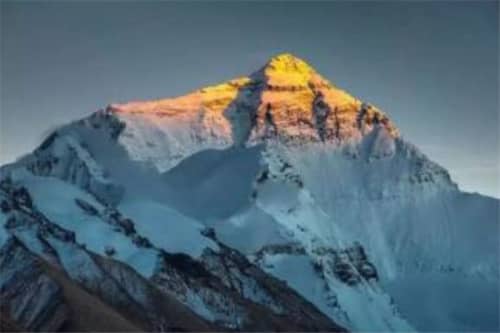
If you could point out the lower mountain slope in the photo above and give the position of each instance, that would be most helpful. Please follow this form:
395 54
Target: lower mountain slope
90 262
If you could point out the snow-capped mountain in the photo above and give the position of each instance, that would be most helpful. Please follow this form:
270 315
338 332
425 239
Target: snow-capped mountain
274 201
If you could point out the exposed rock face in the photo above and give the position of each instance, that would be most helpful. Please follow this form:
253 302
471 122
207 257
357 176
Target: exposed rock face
350 265
7 324
86 207
237 293
251 282
29 296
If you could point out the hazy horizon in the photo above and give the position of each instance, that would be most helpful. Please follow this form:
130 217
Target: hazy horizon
432 66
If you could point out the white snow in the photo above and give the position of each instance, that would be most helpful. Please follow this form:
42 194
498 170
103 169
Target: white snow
165 141
76 262
368 309
298 272
56 199
167 228
250 230
448 301
28 236
196 303
214 184
359 308
70 142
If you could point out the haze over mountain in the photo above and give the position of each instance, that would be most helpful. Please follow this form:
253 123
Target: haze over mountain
274 201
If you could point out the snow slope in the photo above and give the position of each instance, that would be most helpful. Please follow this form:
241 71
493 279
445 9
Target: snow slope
305 183
164 255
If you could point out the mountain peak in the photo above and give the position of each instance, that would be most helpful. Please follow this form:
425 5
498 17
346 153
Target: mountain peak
285 69
285 98
288 63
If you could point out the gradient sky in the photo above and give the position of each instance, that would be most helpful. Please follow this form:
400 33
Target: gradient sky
432 66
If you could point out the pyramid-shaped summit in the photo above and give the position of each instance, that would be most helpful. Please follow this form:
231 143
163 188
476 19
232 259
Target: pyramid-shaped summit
287 70
287 62
286 98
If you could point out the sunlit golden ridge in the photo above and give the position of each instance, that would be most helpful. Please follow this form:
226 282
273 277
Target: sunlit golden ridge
287 90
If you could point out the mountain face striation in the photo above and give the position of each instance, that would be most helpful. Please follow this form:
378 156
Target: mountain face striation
274 201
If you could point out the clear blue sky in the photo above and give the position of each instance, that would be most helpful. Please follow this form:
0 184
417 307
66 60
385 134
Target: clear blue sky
432 66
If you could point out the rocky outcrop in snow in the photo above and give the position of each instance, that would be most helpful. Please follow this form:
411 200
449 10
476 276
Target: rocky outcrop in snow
29 296
168 300
65 157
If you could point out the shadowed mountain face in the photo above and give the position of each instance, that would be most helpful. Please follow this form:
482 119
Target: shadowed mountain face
274 201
